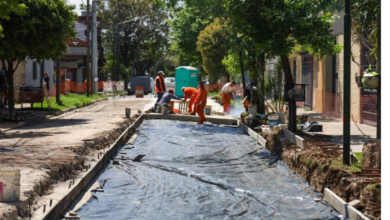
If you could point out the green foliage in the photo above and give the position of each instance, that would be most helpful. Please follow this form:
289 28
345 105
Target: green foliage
143 36
38 33
8 7
213 44
364 16
277 26
69 101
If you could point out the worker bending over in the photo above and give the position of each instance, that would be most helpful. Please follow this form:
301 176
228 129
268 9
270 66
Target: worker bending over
166 98
159 85
190 92
226 91
201 101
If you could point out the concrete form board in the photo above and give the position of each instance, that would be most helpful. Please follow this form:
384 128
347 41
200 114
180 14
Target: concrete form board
212 119
299 141
253 134
341 206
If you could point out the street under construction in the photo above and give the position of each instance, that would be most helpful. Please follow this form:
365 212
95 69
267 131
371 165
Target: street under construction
193 171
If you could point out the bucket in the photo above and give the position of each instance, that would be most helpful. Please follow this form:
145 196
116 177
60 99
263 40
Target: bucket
207 110
9 184
252 110
165 111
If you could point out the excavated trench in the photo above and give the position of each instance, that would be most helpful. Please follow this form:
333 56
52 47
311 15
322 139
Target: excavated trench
193 171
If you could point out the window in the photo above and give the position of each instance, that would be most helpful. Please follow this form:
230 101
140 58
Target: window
34 70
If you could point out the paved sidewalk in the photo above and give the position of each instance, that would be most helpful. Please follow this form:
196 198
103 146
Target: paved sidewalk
334 128
46 151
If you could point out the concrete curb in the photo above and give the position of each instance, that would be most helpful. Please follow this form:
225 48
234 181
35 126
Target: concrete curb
297 140
253 134
341 206
212 119
82 181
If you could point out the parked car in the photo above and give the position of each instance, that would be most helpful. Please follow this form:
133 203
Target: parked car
170 83
146 81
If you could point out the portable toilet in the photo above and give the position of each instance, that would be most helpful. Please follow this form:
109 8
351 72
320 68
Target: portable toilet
186 76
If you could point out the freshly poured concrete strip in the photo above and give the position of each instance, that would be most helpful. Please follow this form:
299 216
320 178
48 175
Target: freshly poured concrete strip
213 119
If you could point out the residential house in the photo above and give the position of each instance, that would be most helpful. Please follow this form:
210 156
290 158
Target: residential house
324 81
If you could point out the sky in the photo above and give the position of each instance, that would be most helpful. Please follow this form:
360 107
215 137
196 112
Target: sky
77 3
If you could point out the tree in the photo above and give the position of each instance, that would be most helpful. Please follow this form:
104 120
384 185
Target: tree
39 33
364 16
7 7
278 26
189 19
143 32
213 44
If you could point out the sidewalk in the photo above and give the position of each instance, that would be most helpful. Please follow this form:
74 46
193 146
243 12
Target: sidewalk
334 127
56 149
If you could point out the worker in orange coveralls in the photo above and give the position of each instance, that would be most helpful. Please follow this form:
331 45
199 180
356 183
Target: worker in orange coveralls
226 91
201 101
190 92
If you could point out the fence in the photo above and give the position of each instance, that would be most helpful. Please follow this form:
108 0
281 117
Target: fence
75 87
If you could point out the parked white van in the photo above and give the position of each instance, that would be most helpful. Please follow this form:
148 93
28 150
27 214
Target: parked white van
170 83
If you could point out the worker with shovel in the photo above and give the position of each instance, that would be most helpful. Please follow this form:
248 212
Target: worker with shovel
190 92
201 101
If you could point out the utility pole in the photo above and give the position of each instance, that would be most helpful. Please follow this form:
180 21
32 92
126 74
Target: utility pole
94 48
118 45
347 85
88 51
378 113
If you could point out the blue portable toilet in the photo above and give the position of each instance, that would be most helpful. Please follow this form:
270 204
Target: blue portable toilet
186 76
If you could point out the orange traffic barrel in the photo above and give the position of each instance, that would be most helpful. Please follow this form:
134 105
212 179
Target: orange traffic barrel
139 91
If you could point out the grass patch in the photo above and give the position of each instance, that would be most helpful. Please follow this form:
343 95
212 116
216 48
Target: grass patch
354 167
214 93
69 101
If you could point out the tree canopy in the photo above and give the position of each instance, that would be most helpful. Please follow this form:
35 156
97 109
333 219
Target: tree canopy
213 44
39 34
8 7
364 15
143 32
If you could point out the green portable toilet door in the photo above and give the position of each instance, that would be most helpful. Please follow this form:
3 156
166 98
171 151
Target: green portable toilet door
185 77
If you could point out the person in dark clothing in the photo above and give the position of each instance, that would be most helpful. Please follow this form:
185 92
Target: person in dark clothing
45 79
3 88
167 97
247 96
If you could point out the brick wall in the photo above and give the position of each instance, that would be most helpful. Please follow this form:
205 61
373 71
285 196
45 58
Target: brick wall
355 90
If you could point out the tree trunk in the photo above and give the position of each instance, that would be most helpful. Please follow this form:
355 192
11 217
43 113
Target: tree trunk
242 71
228 77
11 91
261 60
292 107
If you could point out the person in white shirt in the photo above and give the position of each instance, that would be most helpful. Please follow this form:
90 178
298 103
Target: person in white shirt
226 91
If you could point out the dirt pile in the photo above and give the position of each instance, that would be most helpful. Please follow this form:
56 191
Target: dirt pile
320 165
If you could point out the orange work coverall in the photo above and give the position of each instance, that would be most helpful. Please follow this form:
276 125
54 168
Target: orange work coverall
226 102
190 92
201 98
